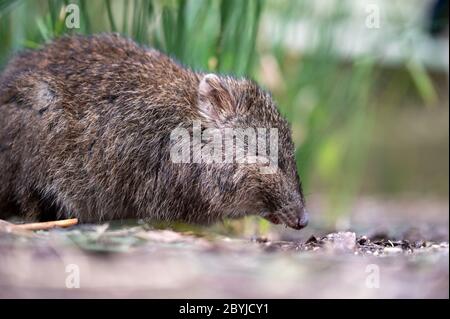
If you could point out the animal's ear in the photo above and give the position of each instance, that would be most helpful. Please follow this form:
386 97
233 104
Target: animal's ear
215 101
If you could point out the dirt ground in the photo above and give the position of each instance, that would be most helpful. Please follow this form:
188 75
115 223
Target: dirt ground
400 257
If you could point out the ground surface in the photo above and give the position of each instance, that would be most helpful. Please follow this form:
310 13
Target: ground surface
137 260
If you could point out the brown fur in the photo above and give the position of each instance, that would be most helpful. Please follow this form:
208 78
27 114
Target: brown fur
84 131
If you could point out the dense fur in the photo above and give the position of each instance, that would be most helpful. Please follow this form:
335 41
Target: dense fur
85 127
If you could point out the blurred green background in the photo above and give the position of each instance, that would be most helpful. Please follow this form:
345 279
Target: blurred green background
363 83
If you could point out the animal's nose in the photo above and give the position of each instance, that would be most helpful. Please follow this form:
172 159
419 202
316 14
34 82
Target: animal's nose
303 219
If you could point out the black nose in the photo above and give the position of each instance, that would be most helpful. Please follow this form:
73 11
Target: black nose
303 220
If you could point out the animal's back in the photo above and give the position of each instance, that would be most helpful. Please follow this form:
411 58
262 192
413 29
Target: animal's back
72 124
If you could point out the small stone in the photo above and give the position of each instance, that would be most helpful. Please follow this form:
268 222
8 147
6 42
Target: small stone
362 240
260 240
342 241
419 244
392 250
311 239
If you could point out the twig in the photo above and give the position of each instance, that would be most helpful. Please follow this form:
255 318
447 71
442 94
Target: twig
47 225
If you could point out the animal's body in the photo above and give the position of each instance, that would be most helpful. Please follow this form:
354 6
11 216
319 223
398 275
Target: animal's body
85 126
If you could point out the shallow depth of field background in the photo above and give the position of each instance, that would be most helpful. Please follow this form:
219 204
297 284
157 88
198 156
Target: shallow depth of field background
364 83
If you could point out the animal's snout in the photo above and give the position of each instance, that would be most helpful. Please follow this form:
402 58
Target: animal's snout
298 218
303 219
291 216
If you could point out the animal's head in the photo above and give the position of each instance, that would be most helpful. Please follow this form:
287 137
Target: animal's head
265 181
